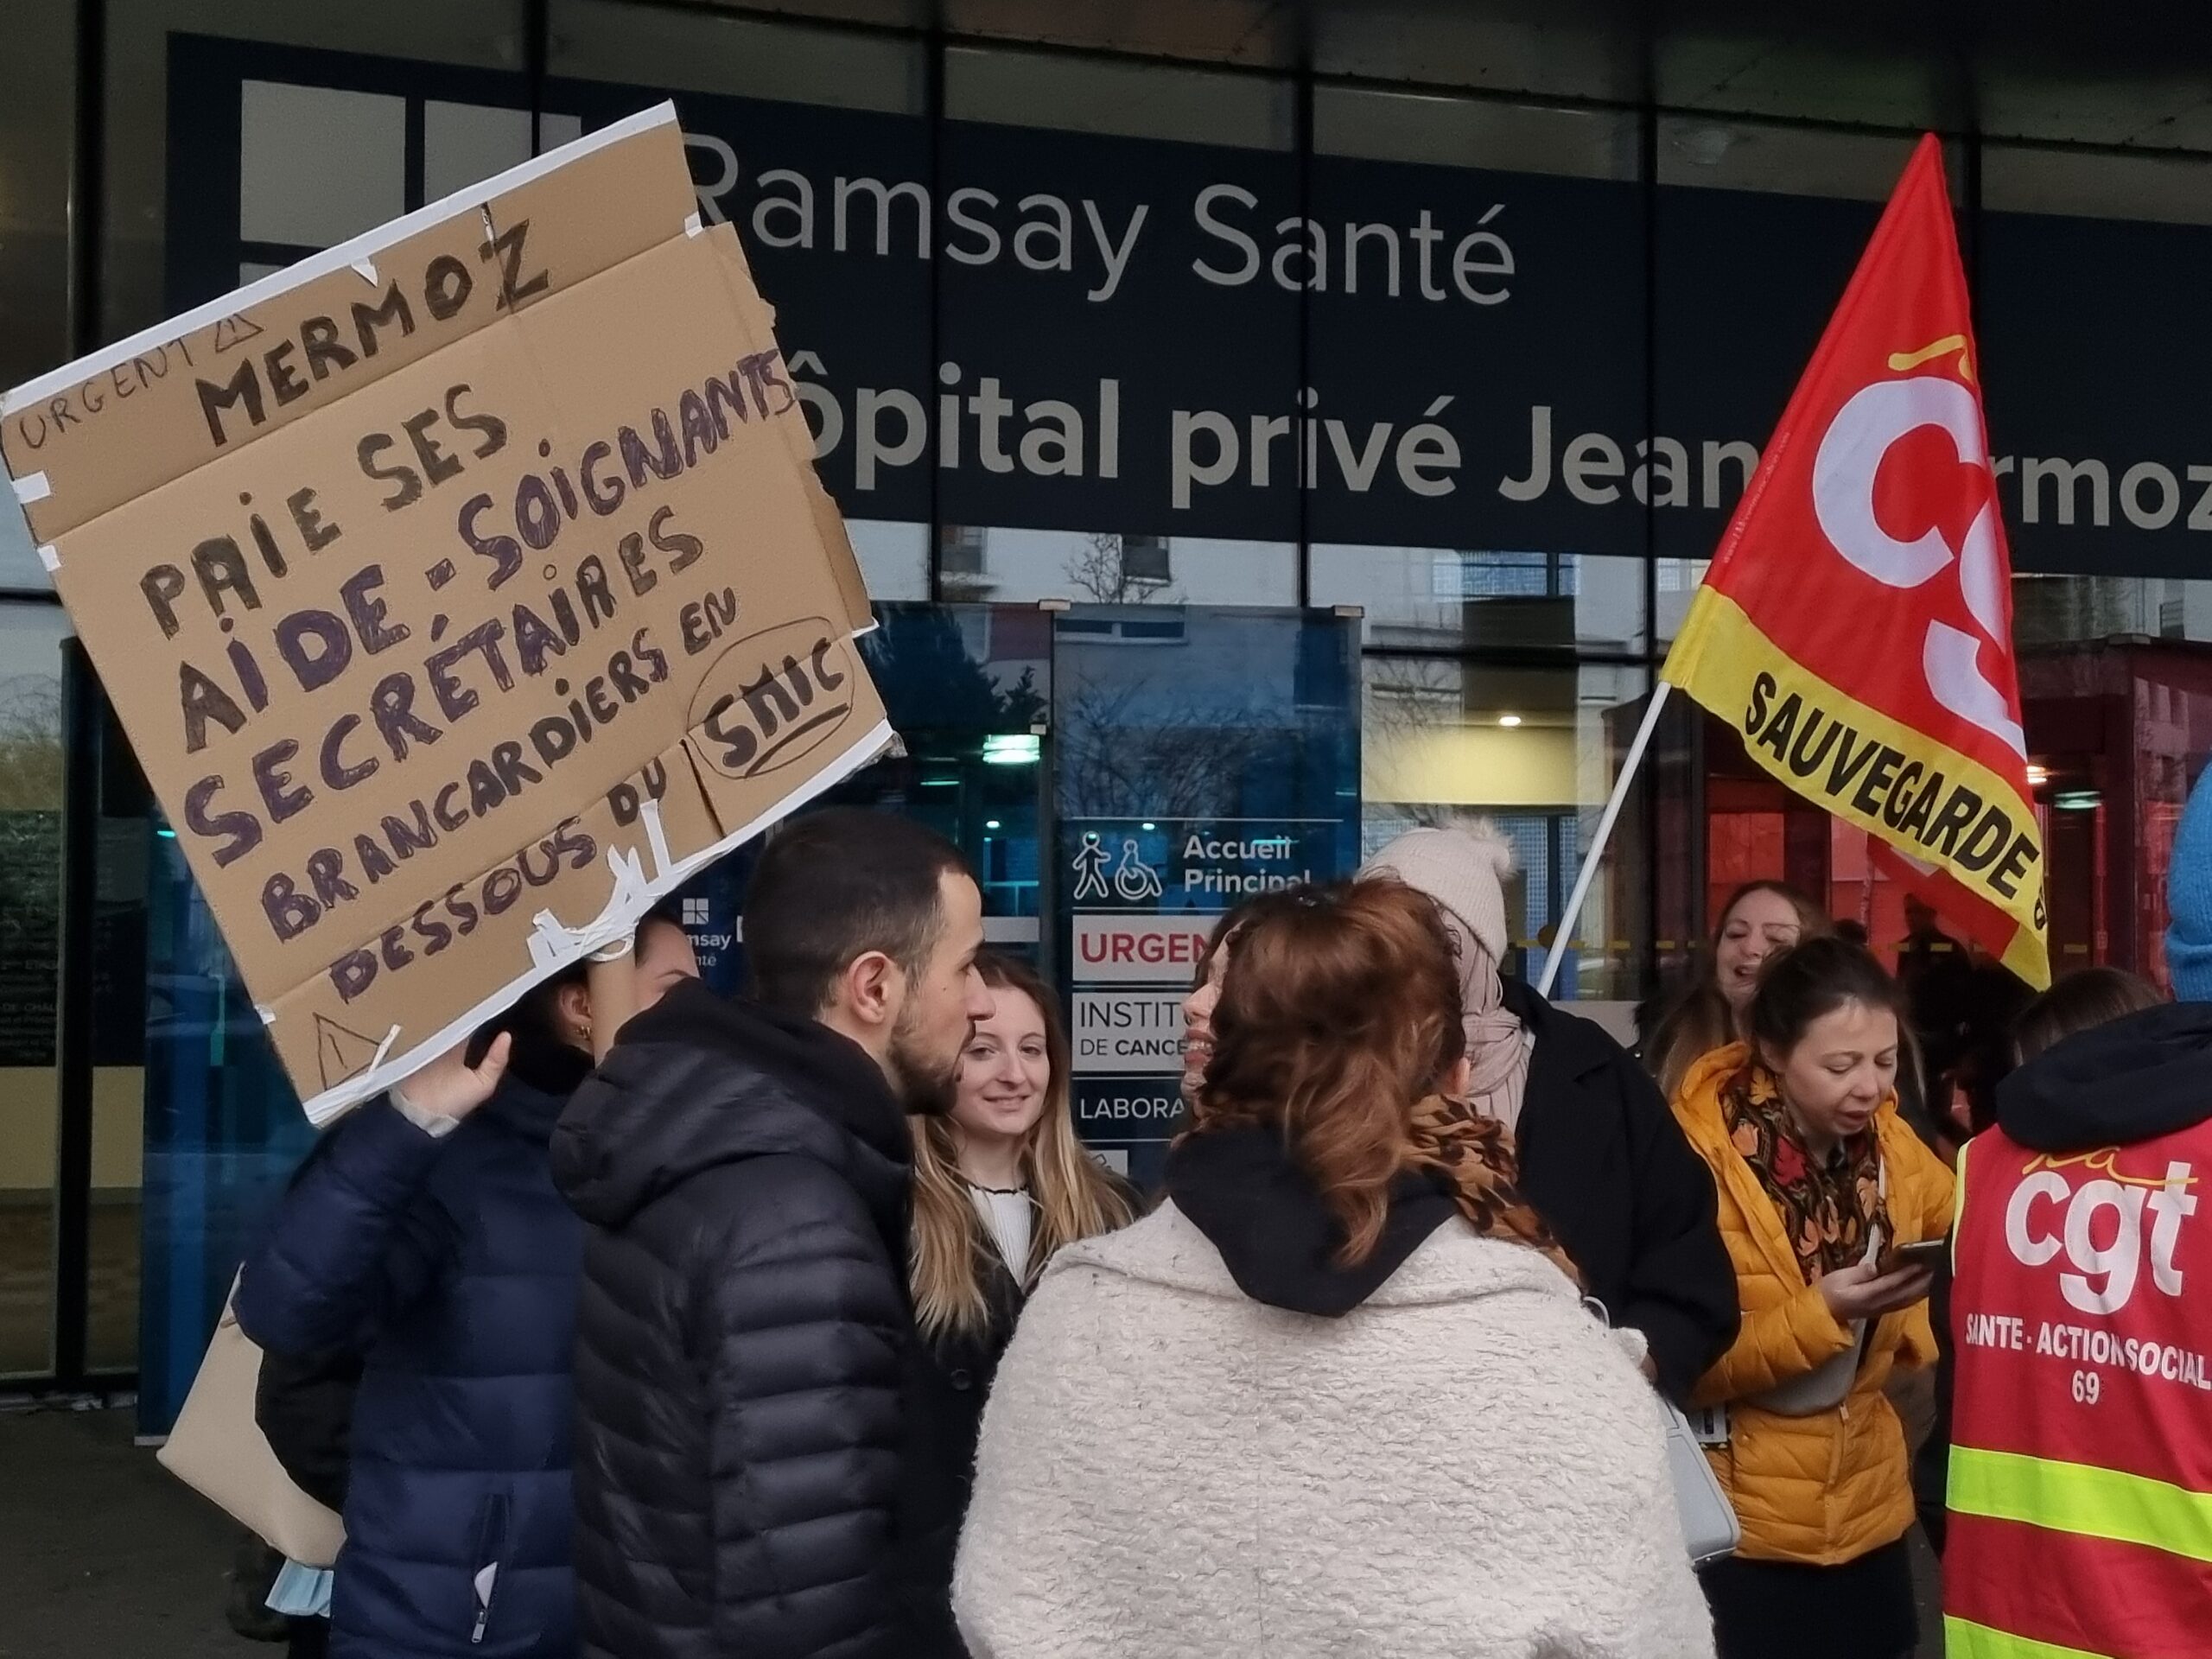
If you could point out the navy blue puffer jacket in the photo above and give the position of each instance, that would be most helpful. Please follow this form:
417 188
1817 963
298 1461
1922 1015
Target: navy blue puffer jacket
452 1265
742 1340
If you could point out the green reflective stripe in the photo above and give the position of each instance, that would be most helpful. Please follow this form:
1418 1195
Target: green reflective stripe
1964 1639
2078 1498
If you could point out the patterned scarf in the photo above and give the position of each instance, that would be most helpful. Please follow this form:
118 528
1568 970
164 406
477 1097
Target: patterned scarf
1826 1204
1475 1152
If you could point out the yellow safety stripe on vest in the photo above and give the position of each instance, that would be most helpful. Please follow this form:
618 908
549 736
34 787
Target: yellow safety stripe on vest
1964 1639
2081 1499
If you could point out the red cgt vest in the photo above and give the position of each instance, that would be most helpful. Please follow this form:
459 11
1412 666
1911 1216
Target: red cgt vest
2081 1484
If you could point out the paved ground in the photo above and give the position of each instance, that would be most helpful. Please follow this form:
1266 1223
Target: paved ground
103 1555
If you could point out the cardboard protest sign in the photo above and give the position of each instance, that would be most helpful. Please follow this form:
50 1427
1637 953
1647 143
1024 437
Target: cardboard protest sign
460 589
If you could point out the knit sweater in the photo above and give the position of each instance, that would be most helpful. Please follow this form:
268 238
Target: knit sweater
1464 1465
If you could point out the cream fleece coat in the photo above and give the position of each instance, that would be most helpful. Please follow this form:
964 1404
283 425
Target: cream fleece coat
1468 1464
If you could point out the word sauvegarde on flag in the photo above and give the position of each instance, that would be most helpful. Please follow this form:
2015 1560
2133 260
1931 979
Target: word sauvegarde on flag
1856 625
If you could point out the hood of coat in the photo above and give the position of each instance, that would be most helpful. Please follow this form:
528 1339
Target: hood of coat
1450 1264
2143 1076
542 1074
1272 1239
698 1081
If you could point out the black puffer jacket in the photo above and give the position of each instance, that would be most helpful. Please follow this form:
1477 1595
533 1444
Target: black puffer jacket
1604 1163
741 1337
947 1383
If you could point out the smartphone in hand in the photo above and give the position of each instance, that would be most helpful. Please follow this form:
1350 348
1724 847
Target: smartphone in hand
1921 1253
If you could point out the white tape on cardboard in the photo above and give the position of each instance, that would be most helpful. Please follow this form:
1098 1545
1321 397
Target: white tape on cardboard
323 1106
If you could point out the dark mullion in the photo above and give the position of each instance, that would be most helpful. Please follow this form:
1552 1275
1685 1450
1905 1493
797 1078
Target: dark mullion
72 1161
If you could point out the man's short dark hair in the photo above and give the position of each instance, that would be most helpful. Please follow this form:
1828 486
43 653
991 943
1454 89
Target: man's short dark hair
834 885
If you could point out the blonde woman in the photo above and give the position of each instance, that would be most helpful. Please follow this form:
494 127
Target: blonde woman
1000 1184
1761 919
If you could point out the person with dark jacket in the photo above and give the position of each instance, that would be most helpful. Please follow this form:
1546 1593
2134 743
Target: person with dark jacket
745 1171
424 1234
2078 1446
1601 1157
303 1405
2081 1002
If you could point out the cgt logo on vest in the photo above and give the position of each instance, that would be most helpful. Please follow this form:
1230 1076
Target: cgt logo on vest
2048 1214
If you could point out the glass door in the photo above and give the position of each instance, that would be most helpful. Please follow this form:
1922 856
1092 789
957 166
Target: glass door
33 638
1200 756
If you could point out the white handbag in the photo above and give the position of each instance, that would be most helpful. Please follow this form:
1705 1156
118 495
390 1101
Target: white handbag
219 1450
1710 1527
1709 1524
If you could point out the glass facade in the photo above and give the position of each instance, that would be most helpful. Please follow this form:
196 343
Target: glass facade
37 73
1117 357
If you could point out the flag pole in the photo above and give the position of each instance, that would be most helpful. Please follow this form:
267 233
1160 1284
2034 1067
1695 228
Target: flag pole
1565 924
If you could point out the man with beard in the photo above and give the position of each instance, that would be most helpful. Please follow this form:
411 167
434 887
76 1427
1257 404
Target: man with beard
744 1169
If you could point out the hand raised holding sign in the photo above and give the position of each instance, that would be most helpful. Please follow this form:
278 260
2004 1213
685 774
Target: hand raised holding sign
449 1087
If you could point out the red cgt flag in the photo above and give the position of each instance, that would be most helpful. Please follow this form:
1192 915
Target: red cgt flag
1857 622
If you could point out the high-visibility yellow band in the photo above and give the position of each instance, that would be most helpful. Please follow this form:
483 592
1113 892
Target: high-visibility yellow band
1899 783
2078 1498
1964 1639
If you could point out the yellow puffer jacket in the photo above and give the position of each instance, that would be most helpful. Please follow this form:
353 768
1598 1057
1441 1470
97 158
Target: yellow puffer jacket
1825 1489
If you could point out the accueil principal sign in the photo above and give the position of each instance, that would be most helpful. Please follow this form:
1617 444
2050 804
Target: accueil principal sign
462 589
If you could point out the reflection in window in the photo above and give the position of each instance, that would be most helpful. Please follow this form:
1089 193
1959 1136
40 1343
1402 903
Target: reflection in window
35 86
1534 751
1144 559
1445 599
1674 584
143 36
2057 611
31 920
21 570
960 550
893 555
1111 568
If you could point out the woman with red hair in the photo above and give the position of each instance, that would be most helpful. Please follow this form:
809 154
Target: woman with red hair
1339 1394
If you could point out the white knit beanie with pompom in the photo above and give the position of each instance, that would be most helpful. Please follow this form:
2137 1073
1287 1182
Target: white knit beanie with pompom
1463 867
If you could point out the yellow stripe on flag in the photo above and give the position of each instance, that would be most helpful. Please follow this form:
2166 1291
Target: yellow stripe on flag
1964 1639
2081 1499
1895 782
